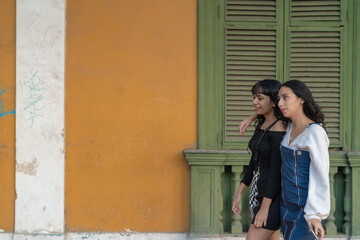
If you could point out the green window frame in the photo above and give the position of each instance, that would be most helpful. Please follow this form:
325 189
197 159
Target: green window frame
241 42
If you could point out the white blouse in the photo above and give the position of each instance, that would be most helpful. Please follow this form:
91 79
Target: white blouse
314 140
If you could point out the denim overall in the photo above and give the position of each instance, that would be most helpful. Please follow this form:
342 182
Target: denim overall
294 193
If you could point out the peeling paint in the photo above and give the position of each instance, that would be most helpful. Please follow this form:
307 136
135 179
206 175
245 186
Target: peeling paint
28 168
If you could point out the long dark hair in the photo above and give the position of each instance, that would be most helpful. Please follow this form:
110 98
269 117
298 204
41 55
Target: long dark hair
268 87
311 109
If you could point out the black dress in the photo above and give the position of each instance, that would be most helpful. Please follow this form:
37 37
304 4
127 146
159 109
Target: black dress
264 175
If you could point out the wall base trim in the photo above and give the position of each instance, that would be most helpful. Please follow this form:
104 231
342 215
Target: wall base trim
95 236
243 237
135 236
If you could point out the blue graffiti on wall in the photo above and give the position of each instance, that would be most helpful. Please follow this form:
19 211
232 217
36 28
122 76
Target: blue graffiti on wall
2 113
34 103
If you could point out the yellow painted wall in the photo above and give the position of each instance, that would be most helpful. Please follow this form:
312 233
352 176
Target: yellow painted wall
7 122
130 111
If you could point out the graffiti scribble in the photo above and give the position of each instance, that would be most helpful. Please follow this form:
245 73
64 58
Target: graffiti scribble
34 103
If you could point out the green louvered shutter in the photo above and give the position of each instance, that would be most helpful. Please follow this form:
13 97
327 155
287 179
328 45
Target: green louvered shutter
254 41
251 54
315 10
314 56
253 10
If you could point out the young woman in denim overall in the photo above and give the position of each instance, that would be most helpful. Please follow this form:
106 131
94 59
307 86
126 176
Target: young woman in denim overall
305 184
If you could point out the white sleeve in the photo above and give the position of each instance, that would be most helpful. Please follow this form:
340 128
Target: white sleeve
318 201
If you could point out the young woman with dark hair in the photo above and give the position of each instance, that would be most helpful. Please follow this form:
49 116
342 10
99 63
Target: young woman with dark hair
264 168
305 194
305 169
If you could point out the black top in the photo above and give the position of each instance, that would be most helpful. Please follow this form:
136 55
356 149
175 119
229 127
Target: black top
269 183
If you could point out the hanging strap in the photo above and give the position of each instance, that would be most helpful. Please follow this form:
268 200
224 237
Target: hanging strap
256 152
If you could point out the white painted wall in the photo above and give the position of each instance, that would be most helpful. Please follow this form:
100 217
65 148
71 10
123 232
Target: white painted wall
40 39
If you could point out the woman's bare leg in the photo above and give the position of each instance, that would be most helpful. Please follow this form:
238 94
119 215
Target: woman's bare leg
260 233
275 236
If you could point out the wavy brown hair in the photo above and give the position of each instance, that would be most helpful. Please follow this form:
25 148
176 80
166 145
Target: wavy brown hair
311 109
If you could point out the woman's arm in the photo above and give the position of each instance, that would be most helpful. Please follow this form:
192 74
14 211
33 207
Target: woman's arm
245 182
317 205
249 172
246 123
237 199
318 201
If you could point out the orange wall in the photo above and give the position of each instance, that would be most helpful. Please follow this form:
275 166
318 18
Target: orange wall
130 111
7 122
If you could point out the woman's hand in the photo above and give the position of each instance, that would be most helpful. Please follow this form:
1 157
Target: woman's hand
261 217
237 199
246 123
235 205
316 225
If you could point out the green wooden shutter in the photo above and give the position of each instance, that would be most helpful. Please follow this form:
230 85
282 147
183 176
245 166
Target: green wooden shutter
256 34
253 10
251 54
314 56
250 57
319 10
